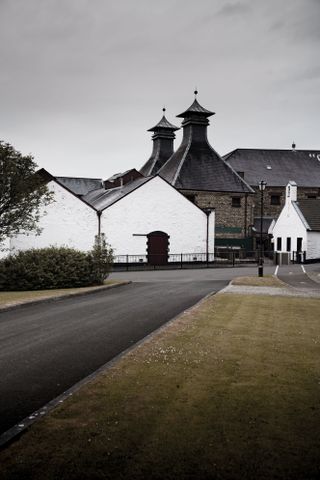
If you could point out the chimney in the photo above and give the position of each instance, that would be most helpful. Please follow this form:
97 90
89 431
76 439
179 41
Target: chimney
291 192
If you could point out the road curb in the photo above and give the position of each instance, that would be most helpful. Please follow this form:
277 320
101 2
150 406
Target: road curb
61 297
17 430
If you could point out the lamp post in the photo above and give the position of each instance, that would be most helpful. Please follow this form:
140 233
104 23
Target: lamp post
207 211
262 186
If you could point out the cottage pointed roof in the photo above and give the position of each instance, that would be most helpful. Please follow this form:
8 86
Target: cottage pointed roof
196 165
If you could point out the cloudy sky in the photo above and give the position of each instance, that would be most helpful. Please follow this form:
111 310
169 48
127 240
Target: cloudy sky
82 80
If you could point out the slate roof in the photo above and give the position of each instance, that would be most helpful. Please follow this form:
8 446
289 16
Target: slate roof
80 186
101 199
310 209
277 167
266 222
196 165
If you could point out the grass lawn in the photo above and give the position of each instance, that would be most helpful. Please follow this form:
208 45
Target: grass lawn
12 298
266 281
230 390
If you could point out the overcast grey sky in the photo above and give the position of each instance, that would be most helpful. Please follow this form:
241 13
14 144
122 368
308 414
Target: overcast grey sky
81 81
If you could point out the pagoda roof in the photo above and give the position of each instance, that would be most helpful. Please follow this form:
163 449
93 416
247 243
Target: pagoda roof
197 109
163 124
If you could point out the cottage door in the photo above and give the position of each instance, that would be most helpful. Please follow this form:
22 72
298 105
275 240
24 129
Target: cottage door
158 248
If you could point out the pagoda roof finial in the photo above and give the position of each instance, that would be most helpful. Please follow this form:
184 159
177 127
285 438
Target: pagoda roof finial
196 109
163 124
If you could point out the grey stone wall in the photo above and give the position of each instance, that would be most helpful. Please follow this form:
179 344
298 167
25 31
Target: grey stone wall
231 222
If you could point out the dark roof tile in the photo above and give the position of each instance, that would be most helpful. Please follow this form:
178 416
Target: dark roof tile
277 167
310 209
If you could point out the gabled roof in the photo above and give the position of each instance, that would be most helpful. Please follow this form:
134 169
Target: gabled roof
101 199
80 186
277 167
310 209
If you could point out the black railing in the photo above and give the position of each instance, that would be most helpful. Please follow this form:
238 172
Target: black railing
220 257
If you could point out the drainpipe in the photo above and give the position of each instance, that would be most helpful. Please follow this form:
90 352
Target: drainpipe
99 223
245 213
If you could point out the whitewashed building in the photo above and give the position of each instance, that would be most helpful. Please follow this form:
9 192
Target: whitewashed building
146 219
297 229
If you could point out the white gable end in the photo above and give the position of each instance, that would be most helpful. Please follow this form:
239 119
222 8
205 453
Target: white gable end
156 206
66 222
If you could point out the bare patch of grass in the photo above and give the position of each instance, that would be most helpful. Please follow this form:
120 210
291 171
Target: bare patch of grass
266 281
228 391
13 298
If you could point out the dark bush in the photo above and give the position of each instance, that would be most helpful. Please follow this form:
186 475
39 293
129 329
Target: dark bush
48 268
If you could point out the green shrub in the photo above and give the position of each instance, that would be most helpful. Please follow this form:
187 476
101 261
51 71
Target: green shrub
53 267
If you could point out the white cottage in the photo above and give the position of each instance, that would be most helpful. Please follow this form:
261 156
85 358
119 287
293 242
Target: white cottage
297 229
144 220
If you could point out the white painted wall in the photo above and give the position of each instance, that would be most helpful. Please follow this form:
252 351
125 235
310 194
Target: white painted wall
152 207
67 222
313 245
289 223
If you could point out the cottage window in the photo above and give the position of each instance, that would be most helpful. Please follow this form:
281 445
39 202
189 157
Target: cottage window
236 202
279 244
288 244
275 200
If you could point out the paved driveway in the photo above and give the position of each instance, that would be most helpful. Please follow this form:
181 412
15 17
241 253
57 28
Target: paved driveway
47 348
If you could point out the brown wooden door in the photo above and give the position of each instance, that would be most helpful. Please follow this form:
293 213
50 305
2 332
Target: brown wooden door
158 248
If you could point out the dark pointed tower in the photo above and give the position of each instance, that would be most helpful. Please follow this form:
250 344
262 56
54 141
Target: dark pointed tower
163 138
196 165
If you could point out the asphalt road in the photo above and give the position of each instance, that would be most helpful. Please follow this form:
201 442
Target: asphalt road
47 348
295 276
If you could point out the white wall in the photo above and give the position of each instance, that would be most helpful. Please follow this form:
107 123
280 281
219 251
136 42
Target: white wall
313 245
67 222
289 224
156 206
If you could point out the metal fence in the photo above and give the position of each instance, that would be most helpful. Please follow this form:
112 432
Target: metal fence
221 257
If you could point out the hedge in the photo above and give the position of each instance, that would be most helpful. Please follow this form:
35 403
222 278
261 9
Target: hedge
54 267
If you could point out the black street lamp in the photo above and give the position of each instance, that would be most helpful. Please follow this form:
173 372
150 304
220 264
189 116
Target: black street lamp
207 211
262 186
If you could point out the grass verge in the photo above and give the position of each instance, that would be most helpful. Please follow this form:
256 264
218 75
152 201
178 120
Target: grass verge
266 281
230 390
13 298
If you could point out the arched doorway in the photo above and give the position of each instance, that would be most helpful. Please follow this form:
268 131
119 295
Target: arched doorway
157 248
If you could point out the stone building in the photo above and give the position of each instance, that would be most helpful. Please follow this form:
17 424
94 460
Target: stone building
276 168
200 173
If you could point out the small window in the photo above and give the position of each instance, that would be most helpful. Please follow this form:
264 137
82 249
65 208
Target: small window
299 244
275 200
279 244
236 202
288 244
311 196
